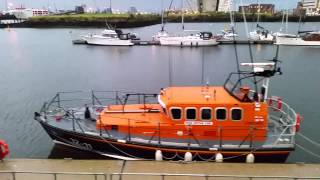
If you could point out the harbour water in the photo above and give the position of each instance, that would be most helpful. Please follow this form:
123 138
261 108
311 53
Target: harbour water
37 63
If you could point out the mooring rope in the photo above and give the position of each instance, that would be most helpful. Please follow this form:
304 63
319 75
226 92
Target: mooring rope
309 140
308 151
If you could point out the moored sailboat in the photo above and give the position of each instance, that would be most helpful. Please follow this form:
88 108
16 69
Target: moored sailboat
200 38
306 38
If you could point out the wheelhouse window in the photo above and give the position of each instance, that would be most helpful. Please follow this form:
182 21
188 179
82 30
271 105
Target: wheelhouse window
221 114
176 113
191 113
206 114
236 114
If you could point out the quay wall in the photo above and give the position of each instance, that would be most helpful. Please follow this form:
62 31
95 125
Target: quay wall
81 169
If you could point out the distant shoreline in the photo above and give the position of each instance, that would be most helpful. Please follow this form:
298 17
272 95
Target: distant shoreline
131 21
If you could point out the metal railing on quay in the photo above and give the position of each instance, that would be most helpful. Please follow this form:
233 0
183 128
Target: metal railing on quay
163 176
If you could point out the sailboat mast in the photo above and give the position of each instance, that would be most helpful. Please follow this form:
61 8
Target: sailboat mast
182 14
231 14
287 19
162 16
282 22
258 19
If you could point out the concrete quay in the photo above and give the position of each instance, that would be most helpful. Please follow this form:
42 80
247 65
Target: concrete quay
68 169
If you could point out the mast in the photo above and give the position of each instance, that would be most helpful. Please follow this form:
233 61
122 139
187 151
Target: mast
162 16
287 19
182 14
282 22
258 18
231 14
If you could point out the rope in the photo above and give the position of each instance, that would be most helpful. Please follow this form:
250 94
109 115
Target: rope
212 159
179 156
310 140
308 151
171 158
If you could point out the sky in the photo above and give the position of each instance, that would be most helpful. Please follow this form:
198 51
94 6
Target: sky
123 5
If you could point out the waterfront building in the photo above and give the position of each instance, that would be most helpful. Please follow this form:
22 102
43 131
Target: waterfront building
208 5
25 13
225 5
311 7
258 8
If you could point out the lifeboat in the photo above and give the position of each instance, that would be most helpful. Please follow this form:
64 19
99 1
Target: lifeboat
232 122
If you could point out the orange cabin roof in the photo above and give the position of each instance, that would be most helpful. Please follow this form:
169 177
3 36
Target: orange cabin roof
196 95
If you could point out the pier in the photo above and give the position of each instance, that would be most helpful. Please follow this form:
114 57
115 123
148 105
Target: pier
45 169
157 43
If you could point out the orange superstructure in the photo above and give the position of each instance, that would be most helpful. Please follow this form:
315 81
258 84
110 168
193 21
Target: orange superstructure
208 113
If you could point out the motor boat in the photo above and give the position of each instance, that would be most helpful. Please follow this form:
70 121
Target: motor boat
109 37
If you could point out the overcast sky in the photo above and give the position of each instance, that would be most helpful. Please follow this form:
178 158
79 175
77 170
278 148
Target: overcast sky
142 5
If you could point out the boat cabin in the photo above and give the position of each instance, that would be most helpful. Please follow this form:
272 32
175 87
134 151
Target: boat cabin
109 33
206 35
232 112
312 36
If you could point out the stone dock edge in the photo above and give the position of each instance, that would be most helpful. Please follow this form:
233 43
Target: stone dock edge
16 169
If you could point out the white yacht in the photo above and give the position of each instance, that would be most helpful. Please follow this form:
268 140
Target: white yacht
261 34
108 37
309 39
198 39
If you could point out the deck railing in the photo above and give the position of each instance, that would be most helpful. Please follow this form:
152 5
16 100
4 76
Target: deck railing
116 176
101 98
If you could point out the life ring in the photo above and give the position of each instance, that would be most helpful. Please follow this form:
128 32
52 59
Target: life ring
298 122
4 149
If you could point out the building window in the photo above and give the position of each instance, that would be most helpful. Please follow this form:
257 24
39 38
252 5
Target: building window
221 114
236 114
176 113
206 114
191 113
